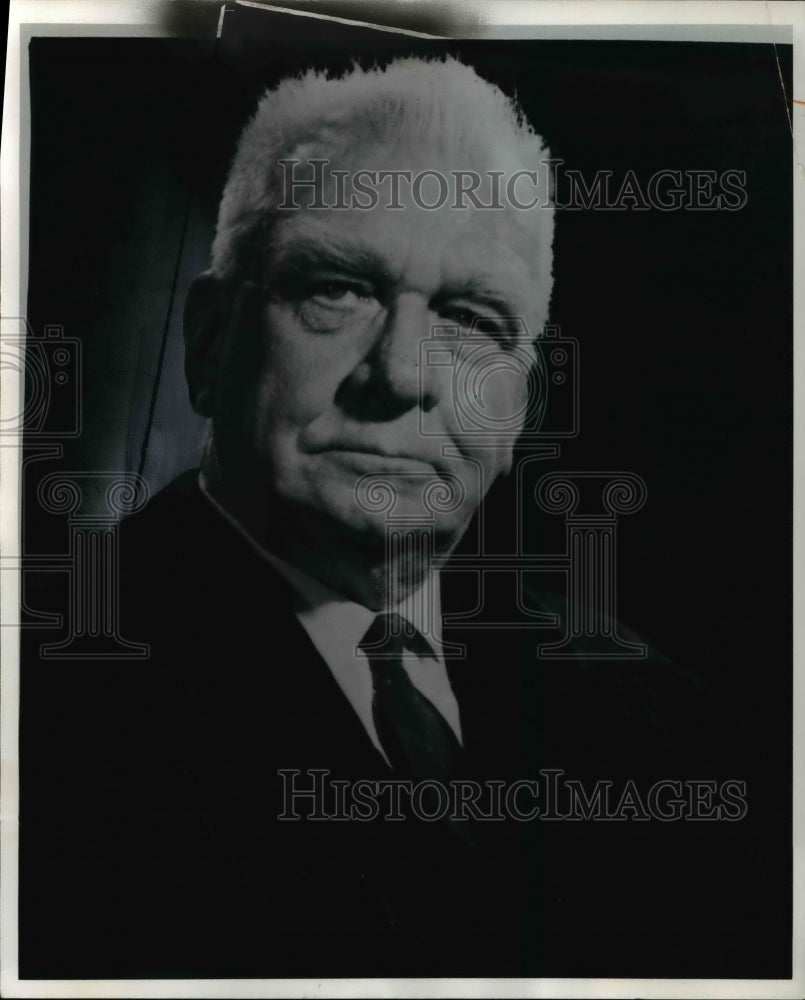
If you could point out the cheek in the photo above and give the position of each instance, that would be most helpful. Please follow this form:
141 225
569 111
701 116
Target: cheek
298 376
500 411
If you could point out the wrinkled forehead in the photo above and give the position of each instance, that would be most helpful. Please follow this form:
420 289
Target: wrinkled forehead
481 205
415 174
436 255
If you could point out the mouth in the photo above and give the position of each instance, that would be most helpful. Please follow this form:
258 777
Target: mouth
371 460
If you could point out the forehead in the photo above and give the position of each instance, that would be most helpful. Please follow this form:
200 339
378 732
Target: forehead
425 247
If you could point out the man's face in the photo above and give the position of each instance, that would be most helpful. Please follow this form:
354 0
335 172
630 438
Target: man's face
336 376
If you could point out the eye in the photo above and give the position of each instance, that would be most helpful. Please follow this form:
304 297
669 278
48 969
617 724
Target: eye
477 322
463 316
334 303
337 292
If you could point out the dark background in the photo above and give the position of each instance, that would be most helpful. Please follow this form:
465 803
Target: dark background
684 318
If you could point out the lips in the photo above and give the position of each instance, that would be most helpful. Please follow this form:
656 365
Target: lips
382 461
377 450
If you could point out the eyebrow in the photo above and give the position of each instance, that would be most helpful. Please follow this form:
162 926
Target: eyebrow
297 255
478 291
301 254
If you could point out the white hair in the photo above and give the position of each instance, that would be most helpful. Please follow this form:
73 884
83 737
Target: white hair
441 103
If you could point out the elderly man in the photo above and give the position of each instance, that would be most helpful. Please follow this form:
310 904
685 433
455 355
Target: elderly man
372 237
305 340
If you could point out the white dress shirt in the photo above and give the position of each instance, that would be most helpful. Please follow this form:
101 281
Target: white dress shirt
337 625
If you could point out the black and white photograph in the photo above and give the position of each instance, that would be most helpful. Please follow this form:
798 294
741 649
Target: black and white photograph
398 484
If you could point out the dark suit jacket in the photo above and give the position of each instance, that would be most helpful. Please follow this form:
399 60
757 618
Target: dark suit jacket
151 790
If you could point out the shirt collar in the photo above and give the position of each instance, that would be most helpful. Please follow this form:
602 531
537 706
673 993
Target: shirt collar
329 613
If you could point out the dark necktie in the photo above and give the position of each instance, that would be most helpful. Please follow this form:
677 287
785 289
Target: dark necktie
416 737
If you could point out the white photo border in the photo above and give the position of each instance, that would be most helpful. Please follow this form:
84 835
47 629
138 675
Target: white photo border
688 21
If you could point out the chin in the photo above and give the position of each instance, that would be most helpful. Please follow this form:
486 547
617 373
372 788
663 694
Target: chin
371 528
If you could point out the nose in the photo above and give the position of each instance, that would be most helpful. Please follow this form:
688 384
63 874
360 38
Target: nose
396 355
391 379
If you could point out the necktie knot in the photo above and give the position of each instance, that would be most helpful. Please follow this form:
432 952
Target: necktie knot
390 637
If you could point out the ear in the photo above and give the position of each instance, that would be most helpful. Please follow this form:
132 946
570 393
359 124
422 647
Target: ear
205 325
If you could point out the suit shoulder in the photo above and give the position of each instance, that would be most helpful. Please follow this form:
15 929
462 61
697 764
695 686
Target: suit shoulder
645 693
